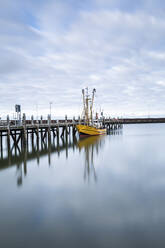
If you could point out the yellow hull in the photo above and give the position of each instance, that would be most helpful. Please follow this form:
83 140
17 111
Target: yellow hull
89 130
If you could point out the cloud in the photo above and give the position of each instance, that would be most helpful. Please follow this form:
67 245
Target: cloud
49 53
162 83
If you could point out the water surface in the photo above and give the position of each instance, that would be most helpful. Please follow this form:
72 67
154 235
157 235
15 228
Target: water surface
95 192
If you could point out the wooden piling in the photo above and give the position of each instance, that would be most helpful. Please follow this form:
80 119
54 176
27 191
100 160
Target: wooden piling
49 128
24 128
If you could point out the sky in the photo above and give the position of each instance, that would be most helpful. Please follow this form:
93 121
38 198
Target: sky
52 49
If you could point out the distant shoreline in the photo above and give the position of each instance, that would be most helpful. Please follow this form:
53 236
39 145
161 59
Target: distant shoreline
142 120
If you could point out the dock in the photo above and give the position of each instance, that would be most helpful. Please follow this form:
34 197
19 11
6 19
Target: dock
20 132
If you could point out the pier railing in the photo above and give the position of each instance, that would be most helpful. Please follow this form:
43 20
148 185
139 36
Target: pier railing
63 122
16 123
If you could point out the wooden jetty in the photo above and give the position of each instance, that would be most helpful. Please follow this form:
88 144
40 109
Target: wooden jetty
45 129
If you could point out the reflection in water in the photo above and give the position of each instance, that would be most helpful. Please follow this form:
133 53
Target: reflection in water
90 146
55 208
19 154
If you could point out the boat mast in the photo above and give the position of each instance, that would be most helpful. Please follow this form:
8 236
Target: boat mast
83 93
91 106
87 106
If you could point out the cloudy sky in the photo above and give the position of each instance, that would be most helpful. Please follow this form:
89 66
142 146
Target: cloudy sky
52 49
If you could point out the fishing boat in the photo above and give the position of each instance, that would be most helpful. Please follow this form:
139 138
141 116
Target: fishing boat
89 126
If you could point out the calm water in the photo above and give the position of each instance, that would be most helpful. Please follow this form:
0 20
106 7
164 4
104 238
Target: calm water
95 192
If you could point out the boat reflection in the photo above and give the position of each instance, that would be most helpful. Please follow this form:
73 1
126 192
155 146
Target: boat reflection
90 146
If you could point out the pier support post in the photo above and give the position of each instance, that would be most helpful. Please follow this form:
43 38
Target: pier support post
66 127
103 121
49 127
0 139
8 132
63 130
57 134
57 131
8 139
41 119
24 129
37 132
66 131
73 126
1 144
32 120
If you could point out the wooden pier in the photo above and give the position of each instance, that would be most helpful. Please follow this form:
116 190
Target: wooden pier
45 129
